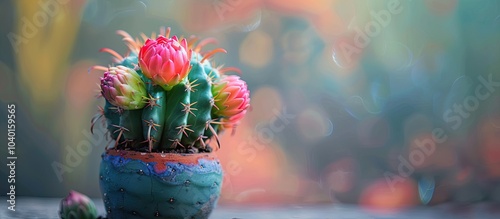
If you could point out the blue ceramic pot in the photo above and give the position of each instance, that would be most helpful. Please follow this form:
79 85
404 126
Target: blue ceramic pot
156 185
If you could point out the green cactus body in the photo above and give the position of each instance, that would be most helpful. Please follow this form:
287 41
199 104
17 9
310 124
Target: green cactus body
129 61
153 115
209 69
213 75
178 101
112 115
201 98
196 58
211 72
131 122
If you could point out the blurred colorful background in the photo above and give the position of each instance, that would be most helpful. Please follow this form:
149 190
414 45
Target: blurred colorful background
386 104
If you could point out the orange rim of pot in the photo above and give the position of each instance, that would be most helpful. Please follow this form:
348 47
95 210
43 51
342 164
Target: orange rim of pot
162 157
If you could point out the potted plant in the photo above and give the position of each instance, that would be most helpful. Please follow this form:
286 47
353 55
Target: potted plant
165 104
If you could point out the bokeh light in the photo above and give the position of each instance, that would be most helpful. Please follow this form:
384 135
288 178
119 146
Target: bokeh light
266 102
257 49
380 196
314 124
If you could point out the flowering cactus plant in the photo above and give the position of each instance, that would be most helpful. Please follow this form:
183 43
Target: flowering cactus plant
166 96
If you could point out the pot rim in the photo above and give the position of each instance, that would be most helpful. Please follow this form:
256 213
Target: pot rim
164 157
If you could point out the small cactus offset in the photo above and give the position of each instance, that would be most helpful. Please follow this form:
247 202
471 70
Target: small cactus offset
166 96
77 206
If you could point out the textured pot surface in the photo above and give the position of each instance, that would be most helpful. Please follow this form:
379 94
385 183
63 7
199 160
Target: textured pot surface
156 185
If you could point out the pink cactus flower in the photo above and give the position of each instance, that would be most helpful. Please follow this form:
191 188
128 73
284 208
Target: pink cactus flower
166 61
123 87
232 98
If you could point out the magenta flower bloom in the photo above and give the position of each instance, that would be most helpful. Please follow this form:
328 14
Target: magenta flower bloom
232 98
165 61
123 87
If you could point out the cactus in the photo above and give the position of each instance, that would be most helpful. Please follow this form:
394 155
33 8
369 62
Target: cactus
166 95
153 115
77 205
